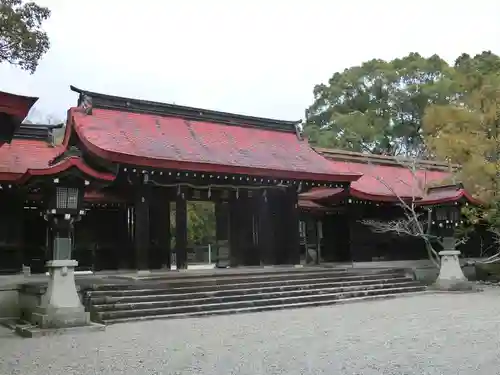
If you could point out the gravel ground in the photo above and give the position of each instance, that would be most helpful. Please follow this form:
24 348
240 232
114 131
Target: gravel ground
426 334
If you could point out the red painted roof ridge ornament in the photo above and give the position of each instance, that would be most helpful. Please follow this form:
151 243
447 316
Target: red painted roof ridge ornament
86 104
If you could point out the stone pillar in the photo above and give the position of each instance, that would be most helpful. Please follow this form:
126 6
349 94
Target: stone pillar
450 276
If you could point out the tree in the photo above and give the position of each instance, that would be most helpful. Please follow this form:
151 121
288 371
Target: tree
473 69
415 221
467 132
200 222
378 107
22 40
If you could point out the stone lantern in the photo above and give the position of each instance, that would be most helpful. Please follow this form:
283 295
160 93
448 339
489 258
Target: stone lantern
447 219
61 306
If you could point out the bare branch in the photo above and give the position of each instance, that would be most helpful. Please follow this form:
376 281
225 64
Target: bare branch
412 224
399 227
495 257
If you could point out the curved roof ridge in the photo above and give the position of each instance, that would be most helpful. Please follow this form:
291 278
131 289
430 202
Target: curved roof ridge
64 165
120 103
359 157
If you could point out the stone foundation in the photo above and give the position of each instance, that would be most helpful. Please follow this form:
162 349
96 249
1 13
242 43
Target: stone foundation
60 306
451 276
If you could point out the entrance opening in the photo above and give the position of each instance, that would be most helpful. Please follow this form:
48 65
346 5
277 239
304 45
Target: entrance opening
201 250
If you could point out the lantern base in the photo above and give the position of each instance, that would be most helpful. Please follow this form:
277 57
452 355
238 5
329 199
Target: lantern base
61 306
451 277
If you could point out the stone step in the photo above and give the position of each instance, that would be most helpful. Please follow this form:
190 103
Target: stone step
108 315
160 282
135 305
254 309
244 289
121 291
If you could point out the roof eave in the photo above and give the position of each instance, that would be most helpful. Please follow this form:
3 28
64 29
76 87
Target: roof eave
15 105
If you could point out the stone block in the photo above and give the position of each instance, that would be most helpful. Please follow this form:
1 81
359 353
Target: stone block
60 317
451 276
60 306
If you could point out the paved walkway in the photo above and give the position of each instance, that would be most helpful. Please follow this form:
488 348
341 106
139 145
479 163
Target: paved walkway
427 334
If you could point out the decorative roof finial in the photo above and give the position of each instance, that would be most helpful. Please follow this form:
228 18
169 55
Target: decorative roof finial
298 132
86 104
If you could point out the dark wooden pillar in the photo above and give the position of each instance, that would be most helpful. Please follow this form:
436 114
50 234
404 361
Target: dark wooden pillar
266 230
355 238
131 235
329 237
181 232
141 226
222 235
160 230
243 240
222 221
34 243
11 250
124 243
235 232
291 235
108 232
280 223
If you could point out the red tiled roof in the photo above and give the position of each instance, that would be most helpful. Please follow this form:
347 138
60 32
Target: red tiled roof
16 105
321 193
380 182
175 143
23 159
23 154
385 182
64 165
388 182
309 205
448 194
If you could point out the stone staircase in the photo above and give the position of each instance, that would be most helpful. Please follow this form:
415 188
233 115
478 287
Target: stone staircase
240 293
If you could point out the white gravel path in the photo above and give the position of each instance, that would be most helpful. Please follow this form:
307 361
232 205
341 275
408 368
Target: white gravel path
444 334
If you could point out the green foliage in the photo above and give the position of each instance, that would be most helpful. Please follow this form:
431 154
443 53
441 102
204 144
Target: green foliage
201 223
466 131
22 40
378 107
423 107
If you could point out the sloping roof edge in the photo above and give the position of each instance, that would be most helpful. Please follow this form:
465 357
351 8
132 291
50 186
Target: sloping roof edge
359 157
64 165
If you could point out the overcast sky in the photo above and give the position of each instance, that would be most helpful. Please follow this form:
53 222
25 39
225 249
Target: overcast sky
257 57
